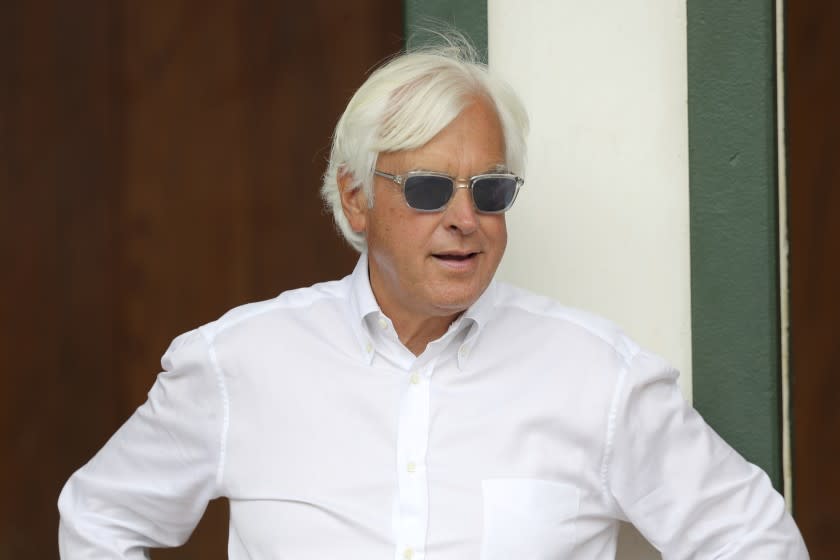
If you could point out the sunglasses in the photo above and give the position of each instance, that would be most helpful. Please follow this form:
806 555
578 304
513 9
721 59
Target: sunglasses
427 191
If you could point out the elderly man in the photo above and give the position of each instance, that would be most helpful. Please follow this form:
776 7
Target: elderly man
416 408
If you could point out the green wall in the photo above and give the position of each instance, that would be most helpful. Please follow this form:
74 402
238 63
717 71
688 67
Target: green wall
469 16
734 225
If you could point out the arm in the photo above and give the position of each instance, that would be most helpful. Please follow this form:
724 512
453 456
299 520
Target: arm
150 484
688 492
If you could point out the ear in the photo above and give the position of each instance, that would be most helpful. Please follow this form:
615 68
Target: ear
353 202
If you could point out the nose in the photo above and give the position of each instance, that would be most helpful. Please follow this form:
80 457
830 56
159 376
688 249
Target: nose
460 214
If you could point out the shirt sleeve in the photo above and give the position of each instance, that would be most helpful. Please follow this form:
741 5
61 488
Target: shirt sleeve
686 490
150 484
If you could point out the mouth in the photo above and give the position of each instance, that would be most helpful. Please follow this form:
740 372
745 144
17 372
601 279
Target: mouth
456 256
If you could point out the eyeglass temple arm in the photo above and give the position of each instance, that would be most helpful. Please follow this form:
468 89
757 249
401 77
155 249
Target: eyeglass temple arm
398 179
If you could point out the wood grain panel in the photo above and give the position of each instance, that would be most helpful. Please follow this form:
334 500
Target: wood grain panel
56 338
159 164
813 122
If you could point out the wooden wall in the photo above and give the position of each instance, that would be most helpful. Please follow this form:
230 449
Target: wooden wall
159 164
813 123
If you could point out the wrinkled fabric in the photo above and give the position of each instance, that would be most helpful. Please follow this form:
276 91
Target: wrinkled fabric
528 431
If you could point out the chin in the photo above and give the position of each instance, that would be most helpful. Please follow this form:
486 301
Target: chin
454 297
455 303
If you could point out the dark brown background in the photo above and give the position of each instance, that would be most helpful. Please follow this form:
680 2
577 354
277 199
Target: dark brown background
813 124
159 164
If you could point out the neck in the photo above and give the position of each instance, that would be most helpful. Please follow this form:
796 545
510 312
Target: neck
416 333
416 325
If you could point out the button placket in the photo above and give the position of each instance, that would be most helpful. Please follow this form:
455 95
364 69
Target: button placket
412 441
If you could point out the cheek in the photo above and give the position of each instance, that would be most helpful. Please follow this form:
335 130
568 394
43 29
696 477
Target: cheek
496 232
411 230
397 234
381 220
503 232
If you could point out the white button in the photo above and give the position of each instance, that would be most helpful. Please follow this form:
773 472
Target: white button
368 347
383 323
408 553
415 378
463 351
411 467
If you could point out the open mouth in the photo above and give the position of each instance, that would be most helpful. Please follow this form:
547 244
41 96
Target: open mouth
455 257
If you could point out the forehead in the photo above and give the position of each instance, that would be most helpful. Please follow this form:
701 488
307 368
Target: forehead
472 143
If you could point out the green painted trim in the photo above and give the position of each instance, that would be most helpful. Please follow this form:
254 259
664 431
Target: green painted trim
468 16
734 225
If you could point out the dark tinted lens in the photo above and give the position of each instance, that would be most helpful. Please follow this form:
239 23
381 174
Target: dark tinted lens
494 194
427 192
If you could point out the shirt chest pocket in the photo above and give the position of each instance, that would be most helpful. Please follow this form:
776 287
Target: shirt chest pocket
528 519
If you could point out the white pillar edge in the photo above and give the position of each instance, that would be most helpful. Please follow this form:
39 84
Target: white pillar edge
784 256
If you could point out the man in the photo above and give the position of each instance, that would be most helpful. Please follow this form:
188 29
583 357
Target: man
417 409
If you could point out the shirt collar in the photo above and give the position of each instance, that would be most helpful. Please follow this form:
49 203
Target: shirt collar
363 304
477 317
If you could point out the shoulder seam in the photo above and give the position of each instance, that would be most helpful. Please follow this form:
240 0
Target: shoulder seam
609 435
223 393
626 351
221 325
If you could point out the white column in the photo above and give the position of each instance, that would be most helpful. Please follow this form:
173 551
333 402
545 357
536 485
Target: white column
602 222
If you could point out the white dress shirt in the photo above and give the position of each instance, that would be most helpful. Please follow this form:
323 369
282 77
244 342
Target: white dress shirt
524 433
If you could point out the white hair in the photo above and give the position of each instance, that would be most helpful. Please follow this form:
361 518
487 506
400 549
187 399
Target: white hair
403 105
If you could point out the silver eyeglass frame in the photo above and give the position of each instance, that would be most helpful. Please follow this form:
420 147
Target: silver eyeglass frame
400 180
